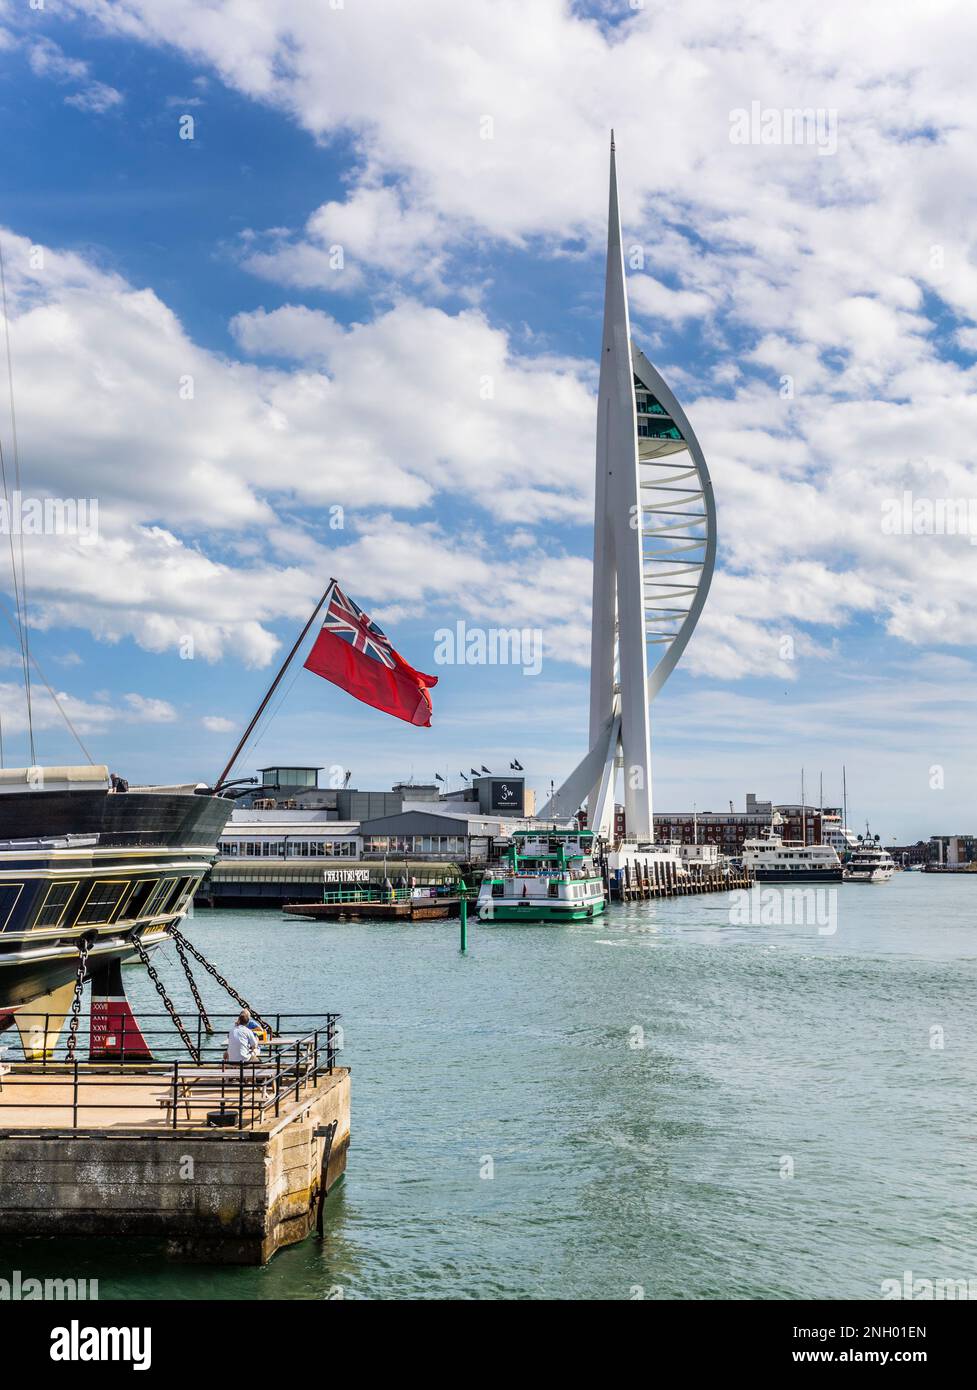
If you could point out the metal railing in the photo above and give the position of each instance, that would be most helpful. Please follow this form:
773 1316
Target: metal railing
376 893
168 1092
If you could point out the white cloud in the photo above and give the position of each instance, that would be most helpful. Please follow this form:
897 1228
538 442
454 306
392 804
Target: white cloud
416 401
96 97
649 296
87 716
217 724
308 335
47 59
823 271
376 228
410 409
151 710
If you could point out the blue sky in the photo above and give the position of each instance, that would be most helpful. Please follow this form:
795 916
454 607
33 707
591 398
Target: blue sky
468 258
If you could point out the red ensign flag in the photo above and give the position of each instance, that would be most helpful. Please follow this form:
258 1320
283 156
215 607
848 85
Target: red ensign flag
354 653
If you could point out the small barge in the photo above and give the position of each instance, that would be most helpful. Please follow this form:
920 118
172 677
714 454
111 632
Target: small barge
376 903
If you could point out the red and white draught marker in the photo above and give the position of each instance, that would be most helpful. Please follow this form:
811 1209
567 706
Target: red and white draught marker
112 1021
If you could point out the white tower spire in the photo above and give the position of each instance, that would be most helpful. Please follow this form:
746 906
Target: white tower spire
619 697
654 550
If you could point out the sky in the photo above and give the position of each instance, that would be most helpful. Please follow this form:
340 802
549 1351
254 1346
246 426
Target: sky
302 291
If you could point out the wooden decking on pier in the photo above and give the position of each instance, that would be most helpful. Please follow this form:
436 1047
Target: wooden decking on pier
33 1100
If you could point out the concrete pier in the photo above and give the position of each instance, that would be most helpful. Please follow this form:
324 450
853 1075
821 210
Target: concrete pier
134 1167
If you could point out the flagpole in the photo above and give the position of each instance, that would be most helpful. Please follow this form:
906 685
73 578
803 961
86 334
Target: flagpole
272 688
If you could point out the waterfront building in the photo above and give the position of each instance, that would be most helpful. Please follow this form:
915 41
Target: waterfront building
953 850
906 855
288 834
285 854
729 830
298 789
420 835
505 795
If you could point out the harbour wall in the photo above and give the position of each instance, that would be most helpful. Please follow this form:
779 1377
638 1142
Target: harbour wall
222 1196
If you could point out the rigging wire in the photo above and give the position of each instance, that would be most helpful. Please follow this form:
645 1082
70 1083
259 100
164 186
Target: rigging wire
59 706
270 719
20 591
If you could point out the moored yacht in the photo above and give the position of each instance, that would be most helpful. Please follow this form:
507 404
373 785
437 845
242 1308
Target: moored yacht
869 862
772 859
835 833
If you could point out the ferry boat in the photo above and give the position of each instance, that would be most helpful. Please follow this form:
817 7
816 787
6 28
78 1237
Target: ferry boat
86 861
772 859
547 876
869 862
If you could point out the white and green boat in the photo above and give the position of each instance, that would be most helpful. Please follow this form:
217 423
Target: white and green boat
546 876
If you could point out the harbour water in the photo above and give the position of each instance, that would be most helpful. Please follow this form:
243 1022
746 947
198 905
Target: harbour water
663 1104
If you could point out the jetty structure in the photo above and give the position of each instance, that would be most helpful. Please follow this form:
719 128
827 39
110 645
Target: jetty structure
654 554
96 1119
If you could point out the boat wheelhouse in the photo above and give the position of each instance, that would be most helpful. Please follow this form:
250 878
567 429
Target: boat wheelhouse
546 876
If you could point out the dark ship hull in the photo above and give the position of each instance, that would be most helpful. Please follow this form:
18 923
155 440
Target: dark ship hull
84 864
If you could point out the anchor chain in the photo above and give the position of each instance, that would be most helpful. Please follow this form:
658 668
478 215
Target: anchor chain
181 952
179 938
161 991
84 946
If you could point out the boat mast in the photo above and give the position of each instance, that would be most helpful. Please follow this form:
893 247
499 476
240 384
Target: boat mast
272 688
844 799
19 581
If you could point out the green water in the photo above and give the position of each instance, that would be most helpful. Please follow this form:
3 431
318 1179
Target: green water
635 1088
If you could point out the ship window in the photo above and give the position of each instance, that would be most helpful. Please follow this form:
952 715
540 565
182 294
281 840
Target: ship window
170 898
103 898
9 893
52 909
141 890
154 903
188 887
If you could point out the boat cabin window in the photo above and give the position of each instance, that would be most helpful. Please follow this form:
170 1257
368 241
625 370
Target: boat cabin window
136 900
103 898
54 906
156 900
186 890
9 893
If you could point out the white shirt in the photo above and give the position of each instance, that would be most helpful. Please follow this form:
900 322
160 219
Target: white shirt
242 1045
